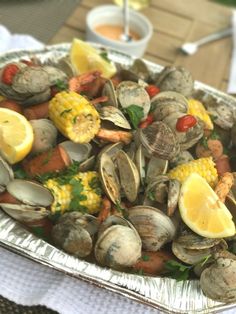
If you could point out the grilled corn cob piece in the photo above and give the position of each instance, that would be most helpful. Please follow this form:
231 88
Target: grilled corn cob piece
205 167
74 116
81 193
197 109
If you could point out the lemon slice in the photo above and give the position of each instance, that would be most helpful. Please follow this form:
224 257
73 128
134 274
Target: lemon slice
85 58
16 135
202 211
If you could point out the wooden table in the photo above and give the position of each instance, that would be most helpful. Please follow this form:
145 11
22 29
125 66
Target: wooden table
174 22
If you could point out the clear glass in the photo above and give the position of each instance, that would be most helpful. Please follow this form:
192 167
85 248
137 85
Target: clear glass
134 4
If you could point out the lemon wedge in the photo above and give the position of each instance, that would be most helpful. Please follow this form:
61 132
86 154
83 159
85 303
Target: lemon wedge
85 58
202 211
16 135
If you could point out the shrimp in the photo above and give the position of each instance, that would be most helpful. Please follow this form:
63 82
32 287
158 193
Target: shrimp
115 136
105 210
224 185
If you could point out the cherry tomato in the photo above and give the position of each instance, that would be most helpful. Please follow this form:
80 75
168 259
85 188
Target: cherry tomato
152 90
146 122
185 122
9 72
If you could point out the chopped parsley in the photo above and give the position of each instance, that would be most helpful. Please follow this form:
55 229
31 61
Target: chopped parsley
65 111
179 271
77 196
95 185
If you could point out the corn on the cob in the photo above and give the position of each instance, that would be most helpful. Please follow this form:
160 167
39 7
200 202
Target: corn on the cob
74 116
196 108
82 192
205 167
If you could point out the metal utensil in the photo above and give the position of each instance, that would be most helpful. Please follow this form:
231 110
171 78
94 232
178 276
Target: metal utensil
126 36
191 48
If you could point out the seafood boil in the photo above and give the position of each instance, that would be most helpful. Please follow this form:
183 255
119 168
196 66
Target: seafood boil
126 168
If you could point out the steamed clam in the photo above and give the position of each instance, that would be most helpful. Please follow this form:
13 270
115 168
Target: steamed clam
74 233
118 245
218 281
154 227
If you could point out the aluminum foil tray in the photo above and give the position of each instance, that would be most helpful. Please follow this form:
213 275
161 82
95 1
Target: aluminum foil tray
165 294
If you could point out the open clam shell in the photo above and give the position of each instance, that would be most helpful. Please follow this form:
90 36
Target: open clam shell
192 248
140 68
114 115
25 213
129 175
30 193
131 93
6 173
156 166
77 152
140 163
160 140
154 227
109 91
109 178
118 246
74 233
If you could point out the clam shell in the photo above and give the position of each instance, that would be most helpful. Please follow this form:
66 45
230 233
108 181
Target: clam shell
140 163
176 79
25 213
77 152
74 233
31 80
218 282
6 173
140 68
153 226
45 135
114 115
159 140
156 166
30 193
109 91
129 176
130 93
87 164
166 103
109 178
117 247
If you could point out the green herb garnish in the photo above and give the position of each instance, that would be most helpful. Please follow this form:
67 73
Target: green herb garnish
95 185
104 55
151 195
145 258
65 111
48 157
61 85
180 271
77 196
121 209
20 174
177 270
135 114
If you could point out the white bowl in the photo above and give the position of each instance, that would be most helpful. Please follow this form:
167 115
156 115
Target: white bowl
112 15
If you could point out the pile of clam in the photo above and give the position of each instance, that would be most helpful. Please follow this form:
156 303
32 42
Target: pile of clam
137 226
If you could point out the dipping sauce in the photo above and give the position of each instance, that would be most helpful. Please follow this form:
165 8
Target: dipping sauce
114 32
